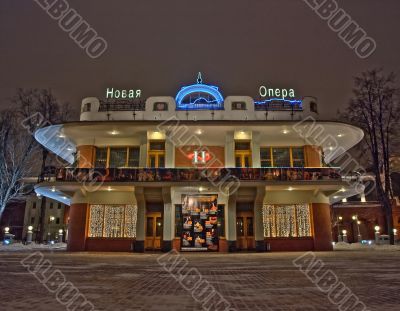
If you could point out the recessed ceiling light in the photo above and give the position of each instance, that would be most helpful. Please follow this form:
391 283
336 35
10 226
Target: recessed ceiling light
199 131
339 135
285 131
114 132
109 188
342 190
290 188
53 189
61 135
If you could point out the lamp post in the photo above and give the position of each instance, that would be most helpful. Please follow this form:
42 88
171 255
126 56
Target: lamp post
60 236
345 236
339 239
7 230
355 218
377 234
29 235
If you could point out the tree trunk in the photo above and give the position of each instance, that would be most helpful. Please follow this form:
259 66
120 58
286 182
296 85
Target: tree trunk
40 232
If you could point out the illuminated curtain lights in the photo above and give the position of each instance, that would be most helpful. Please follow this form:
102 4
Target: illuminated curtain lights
113 221
286 220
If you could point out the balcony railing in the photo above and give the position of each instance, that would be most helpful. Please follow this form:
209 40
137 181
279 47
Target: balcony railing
194 174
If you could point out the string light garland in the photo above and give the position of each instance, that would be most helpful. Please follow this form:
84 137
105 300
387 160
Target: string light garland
112 221
286 220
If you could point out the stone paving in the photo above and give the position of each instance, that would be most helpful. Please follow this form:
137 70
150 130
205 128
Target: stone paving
248 281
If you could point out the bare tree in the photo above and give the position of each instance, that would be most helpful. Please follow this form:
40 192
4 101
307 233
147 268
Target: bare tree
16 151
375 108
38 108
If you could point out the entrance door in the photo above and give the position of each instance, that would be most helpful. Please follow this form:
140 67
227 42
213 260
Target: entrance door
245 230
154 229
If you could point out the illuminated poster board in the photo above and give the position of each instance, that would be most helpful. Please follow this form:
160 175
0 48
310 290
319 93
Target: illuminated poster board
200 222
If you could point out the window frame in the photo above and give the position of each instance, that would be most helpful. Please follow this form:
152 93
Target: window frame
290 155
108 152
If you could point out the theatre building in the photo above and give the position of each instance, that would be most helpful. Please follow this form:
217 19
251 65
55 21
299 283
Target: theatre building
198 172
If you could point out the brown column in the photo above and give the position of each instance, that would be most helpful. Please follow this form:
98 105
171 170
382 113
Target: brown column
322 227
312 156
77 227
86 156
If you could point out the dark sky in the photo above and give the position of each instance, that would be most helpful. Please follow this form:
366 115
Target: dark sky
159 46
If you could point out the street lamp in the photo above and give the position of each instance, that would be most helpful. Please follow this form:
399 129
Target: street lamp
6 230
29 235
339 239
377 234
344 236
60 236
355 218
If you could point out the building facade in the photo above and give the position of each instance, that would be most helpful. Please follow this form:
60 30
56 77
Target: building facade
199 172
55 219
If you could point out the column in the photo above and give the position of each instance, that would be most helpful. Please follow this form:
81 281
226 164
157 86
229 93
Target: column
169 154
143 150
230 150
141 220
168 219
77 227
322 226
258 220
312 156
255 149
231 223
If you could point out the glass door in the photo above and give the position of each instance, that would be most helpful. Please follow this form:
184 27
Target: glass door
245 230
154 231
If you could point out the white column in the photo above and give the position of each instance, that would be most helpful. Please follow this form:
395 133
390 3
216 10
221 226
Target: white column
169 154
230 150
255 149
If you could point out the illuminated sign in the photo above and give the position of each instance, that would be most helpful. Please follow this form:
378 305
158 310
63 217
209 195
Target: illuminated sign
276 93
199 157
199 97
112 93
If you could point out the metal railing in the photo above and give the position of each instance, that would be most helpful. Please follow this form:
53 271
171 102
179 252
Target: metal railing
194 174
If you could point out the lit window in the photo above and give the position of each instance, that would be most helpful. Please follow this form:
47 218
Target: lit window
265 157
286 220
113 221
133 158
101 157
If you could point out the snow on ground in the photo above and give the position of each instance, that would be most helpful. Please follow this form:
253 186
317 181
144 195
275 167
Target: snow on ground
17 246
341 246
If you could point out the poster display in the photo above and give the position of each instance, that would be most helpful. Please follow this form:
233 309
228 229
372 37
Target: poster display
200 220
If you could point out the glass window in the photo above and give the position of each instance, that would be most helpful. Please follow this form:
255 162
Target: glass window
133 160
157 145
242 145
34 205
117 157
51 204
59 205
160 106
250 226
238 106
32 220
265 156
281 157
101 157
58 221
239 226
149 226
298 157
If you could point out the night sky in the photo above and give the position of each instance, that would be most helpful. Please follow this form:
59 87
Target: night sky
159 46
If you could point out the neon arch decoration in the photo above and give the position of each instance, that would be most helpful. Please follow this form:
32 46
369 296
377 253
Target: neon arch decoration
199 97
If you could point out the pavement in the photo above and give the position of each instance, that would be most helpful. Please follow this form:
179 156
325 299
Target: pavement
200 281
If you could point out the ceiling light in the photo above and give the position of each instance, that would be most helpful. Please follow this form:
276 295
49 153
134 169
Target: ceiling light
339 135
290 188
199 131
285 131
53 189
109 188
114 132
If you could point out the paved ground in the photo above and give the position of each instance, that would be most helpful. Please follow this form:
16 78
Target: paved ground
248 281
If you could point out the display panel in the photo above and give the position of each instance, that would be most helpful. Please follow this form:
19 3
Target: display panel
199 223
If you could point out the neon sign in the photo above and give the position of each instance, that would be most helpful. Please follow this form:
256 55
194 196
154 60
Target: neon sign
199 157
277 93
123 94
199 97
